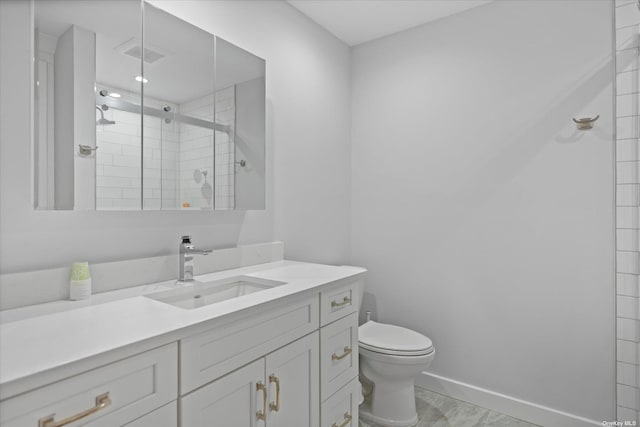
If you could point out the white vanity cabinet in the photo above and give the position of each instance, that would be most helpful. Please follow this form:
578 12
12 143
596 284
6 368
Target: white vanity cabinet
339 385
290 361
114 395
278 390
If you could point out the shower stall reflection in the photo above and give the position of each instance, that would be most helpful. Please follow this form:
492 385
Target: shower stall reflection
183 155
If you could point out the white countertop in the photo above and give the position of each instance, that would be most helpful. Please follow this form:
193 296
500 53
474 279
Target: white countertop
37 339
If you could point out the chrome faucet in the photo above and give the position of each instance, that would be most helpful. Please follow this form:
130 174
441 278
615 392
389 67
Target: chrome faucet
187 250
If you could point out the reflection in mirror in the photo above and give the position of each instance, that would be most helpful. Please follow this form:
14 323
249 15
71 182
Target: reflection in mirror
170 119
217 105
240 145
84 48
179 114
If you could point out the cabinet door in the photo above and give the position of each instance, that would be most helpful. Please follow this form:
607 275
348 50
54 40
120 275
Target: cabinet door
233 400
293 378
167 416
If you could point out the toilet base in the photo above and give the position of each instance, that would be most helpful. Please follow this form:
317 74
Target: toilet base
366 415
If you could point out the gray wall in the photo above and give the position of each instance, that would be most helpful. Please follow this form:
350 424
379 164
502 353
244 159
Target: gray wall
485 218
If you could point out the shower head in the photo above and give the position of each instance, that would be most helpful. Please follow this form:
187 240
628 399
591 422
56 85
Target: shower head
102 120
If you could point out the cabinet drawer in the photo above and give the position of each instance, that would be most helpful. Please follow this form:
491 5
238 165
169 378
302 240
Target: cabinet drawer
167 416
211 354
341 409
339 301
135 386
338 354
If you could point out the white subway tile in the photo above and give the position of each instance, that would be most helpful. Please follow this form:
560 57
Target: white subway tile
628 284
628 352
626 414
150 142
627 217
103 158
127 204
151 163
128 161
116 138
628 374
122 171
151 173
627 149
627 60
109 148
131 150
131 193
627 195
151 183
628 105
620 3
628 329
627 172
125 117
628 397
108 192
628 307
104 203
628 38
125 128
626 15
152 204
112 181
628 239
628 127
628 82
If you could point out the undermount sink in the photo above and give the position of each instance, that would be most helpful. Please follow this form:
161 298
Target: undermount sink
200 294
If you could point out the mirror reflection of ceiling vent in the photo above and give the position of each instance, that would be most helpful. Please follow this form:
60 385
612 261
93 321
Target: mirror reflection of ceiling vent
150 56
133 48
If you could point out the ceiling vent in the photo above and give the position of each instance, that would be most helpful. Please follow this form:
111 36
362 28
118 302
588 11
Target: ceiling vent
133 48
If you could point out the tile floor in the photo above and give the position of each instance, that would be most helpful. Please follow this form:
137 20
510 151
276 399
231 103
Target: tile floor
437 410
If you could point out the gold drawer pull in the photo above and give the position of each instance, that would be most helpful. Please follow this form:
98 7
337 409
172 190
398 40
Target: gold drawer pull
347 351
262 415
275 406
347 420
102 402
345 301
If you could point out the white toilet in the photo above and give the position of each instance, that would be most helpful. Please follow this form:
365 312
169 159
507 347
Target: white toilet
390 357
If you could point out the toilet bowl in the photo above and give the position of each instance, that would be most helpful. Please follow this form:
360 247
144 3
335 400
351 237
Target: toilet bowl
390 357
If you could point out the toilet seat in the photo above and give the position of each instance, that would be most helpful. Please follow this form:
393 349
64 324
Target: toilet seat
393 340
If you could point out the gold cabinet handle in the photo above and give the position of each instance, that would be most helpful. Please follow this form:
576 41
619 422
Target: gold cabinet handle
347 351
102 402
345 301
275 406
262 415
347 420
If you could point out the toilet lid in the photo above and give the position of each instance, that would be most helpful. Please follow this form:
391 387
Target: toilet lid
393 339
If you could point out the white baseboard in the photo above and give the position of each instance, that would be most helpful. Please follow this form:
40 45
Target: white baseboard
517 408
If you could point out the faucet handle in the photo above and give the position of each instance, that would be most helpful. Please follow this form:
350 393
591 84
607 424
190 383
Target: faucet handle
186 239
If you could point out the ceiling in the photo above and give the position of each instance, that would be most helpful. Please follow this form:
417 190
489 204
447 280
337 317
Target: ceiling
358 21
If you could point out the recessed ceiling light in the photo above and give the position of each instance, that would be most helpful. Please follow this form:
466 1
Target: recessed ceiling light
141 79
114 95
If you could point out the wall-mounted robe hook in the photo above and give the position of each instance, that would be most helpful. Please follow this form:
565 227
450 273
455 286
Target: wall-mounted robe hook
586 123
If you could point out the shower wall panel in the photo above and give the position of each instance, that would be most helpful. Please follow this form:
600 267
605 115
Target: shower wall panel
627 16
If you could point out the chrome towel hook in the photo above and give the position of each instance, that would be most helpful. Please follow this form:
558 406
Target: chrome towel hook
586 123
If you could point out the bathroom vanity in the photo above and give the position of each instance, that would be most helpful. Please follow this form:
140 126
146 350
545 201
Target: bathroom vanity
283 355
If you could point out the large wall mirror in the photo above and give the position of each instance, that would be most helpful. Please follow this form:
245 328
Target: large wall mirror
136 109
